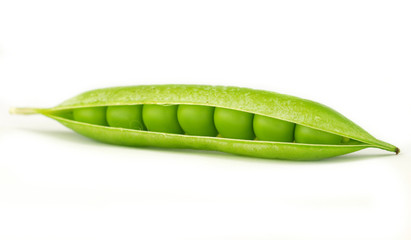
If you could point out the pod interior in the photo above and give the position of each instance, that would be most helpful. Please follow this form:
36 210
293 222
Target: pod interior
199 120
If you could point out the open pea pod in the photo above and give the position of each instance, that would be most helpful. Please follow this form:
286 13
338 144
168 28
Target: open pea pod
290 109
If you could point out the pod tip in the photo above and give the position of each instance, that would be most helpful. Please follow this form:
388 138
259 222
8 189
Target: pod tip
397 150
14 110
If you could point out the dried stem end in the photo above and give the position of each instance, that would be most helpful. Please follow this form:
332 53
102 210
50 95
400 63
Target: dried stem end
14 110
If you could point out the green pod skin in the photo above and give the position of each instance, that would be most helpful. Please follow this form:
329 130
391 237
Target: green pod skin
161 118
255 102
308 135
126 117
92 115
271 129
197 120
234 124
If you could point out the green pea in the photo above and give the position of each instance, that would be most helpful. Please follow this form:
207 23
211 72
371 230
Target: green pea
345 140
234 124
161 118
272 129
197 120
309 135
126 116
92 115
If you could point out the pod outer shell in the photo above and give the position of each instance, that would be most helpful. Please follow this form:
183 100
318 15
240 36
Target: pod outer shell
261 149
266 103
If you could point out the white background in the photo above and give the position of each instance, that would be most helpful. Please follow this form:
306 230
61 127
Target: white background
353 56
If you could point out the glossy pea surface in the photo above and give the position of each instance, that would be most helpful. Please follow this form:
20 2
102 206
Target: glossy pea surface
313 136
161 118
234 124
126 116
272 129
197 120
92 115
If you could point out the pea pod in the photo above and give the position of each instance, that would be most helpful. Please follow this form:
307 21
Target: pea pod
320 132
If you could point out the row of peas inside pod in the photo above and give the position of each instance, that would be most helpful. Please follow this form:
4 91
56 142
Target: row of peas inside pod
200 120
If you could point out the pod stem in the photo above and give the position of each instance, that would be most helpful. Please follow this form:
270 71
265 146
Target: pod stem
25 111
